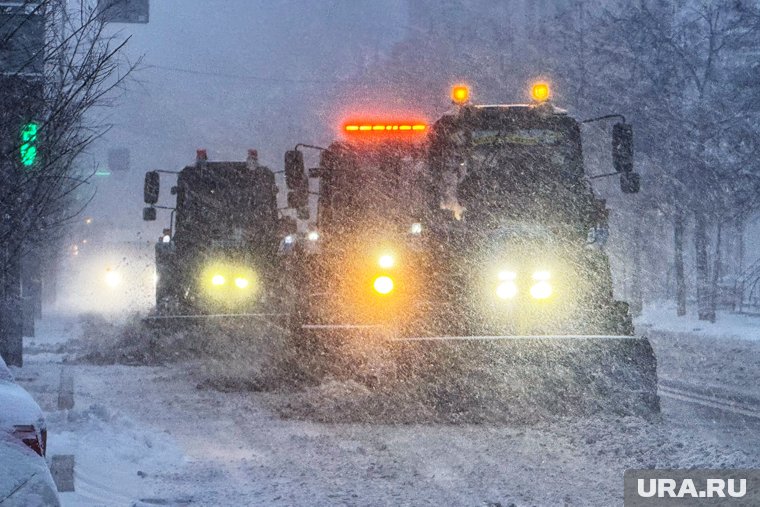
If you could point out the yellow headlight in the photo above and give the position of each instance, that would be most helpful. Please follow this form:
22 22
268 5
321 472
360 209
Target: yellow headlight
506 290
217 280
241 283
541 290
383 284
386 261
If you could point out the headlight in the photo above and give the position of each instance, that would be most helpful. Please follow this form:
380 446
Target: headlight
113 278
506 290
383 284
386 261
415 229
313 236
229 283
542 289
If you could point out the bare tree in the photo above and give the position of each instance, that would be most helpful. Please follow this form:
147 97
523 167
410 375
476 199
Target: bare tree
675 66
53 85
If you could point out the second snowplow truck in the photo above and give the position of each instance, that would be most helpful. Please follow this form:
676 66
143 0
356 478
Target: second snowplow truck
219 257
479 243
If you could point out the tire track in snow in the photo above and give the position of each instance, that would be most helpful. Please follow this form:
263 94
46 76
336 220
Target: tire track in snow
725 401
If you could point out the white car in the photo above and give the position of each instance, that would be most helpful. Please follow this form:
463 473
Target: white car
20 416
25 479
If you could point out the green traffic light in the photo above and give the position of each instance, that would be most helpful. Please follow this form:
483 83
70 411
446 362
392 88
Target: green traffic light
28 148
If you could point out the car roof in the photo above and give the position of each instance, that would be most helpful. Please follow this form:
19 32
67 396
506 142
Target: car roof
17 407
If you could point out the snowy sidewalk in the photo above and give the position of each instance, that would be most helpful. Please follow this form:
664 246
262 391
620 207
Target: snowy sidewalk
662 317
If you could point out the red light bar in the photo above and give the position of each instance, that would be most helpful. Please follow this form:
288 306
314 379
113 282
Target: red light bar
384 127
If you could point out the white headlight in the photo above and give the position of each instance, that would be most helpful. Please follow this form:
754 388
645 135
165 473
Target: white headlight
541 290
312 236
416 228
506 290
386 261
113 278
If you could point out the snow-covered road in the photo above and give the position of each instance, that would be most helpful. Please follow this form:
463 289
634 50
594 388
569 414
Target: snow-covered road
152 433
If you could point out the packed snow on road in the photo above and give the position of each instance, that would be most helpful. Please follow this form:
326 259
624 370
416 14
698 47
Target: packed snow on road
182 431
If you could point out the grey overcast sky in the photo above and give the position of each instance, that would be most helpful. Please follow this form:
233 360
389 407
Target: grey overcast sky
228 75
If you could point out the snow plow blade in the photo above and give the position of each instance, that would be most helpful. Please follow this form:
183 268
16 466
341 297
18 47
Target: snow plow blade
539 376
519 379
179 321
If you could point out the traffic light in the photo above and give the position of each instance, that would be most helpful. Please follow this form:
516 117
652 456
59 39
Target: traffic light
28 148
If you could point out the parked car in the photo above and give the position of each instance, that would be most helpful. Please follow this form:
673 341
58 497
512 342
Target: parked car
21 416
25 479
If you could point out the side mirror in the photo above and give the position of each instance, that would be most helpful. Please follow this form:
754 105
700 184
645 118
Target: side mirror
151 187
630 182
295 171
149 214
622 147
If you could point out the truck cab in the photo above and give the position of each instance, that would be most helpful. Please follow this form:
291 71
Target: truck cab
521 230
220 253
361 266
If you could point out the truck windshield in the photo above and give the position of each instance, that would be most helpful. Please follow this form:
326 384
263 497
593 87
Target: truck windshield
221 210
222 205
378 186
529 173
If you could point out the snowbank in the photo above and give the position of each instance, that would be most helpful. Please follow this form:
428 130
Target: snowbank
662 317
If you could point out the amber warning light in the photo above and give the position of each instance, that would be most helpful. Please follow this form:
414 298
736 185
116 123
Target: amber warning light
377 128
460 94
540 92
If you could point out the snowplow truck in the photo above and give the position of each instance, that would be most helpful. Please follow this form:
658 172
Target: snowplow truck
477 244
219 256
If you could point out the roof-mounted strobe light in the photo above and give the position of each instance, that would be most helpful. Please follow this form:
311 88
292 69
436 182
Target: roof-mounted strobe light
460 94
540 91
201 158
387 127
